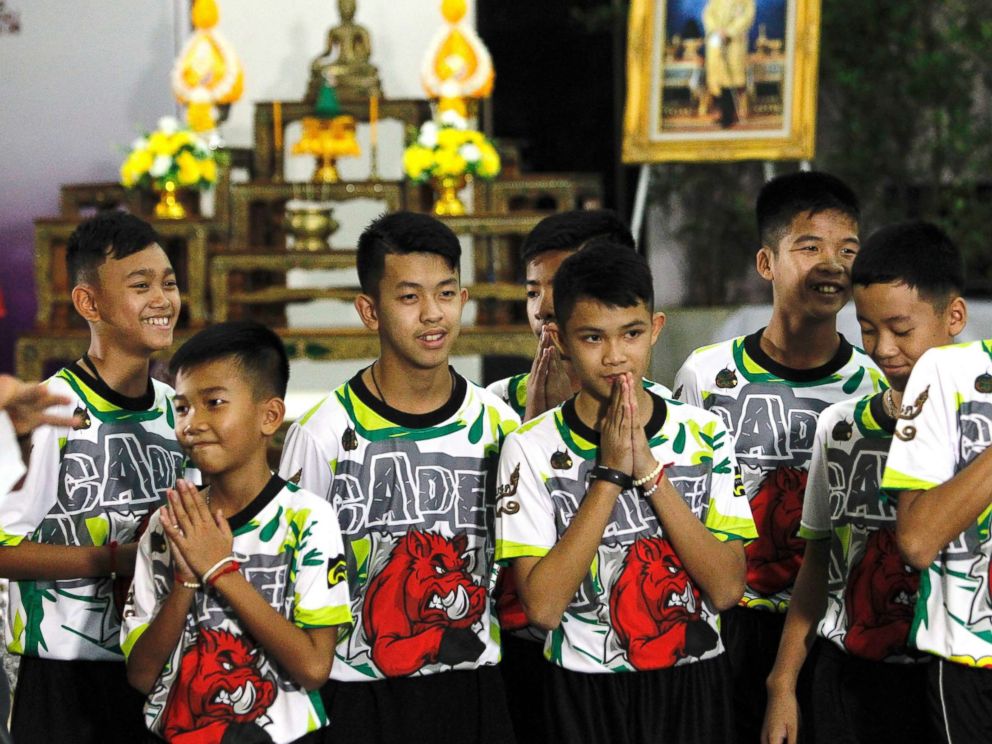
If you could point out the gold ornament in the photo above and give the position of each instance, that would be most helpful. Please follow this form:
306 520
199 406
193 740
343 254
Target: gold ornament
457 64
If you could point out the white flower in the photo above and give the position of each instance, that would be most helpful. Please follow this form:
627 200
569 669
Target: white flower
139 144
160 166
215 141
470 152
428 134
168 124
454 119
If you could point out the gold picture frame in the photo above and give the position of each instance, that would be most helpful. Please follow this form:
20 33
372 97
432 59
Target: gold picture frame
698 92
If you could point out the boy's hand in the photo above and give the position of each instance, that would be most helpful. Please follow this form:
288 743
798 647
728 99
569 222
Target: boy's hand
180 568
615 434
781 724
549 385
26 403
202 538
644 461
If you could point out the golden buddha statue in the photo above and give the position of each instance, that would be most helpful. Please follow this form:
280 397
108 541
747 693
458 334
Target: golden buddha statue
345 63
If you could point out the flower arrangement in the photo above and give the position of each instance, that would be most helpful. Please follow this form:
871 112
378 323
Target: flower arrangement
170 154
448 148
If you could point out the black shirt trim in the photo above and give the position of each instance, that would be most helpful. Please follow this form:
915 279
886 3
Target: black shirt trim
752 346
877 408
659 414
413 420
269 492
141 403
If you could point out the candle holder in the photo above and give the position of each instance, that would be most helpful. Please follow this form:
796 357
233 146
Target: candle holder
310 224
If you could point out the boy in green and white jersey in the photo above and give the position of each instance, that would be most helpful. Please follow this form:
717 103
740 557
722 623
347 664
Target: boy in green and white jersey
769 388
406 452
239 590
70 529
646 493
853 590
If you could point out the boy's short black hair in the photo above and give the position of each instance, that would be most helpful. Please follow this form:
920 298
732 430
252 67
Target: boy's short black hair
256 350
606 272
402 233
809 192
918 254
571 231
111 234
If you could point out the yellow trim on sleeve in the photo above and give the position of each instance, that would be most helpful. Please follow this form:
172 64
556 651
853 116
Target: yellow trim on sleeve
893 480
507 550
807 534
8 540
132 638
325 617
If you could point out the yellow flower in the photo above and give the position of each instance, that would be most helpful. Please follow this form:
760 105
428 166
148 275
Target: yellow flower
189 169
416 160
489 164
449 139
140 161
180 138
161 144
449 163
128 176
208 170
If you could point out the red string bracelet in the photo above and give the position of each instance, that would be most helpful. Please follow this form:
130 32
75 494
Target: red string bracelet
657 481
229 567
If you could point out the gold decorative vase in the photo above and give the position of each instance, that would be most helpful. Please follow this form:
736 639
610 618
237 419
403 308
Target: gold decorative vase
168 207
446 201
310 225
326 170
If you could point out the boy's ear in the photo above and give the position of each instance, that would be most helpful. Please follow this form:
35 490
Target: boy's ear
956 316
657 323
273 415
367 311
84 300
763 262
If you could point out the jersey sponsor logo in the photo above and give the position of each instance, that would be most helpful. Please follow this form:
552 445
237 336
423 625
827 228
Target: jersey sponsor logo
561 460
82 416
772 426
220 693
655 609
726 378
349 440
879 599
983 383
397 487
423 607
504 503
842 431
773 559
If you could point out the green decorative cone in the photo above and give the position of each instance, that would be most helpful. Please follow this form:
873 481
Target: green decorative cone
328 105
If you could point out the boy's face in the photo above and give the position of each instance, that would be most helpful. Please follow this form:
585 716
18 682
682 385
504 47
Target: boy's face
897 326
541 272
418 311
137 299
811 269
218 421
604 342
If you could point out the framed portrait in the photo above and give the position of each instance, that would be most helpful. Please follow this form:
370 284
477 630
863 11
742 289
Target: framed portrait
719 80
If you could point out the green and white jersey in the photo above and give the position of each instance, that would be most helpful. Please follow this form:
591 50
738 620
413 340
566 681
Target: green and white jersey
289 548
11 466
513 391
950 393
414 496
771 412
637 608
870 590
86 486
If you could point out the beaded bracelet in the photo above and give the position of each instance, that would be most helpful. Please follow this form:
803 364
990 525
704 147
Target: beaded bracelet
657 482
205 578
231 567
189 584
653 474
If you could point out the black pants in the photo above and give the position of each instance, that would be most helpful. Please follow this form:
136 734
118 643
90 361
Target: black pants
76 702
688 704
525 672
856 701
960 702
445 708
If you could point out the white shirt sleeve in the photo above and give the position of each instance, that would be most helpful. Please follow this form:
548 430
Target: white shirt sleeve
306 462
149 587
11 465
815 524
687 384
321 587
525 521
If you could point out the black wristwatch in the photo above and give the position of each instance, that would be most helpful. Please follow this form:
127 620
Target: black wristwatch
616 477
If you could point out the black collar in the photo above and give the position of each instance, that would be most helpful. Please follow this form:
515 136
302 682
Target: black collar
254 508
659 414
141 403
412 420
752 345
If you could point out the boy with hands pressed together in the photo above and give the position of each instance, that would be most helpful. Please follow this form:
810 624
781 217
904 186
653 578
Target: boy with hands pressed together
232 620
619 515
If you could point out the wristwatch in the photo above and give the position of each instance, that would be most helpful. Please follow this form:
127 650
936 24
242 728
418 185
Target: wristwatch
616 477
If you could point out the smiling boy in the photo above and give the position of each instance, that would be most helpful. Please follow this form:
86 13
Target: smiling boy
239 590
853 591
769 388
619 515
406 452
70 529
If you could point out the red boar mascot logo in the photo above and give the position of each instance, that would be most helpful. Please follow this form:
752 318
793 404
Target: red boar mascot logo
219 690
655 608
880 598
421 607
773 559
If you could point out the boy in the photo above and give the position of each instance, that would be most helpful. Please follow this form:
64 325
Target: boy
69 531
406 451
551 380
232 618
642 491
908 281
769 388
939 470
